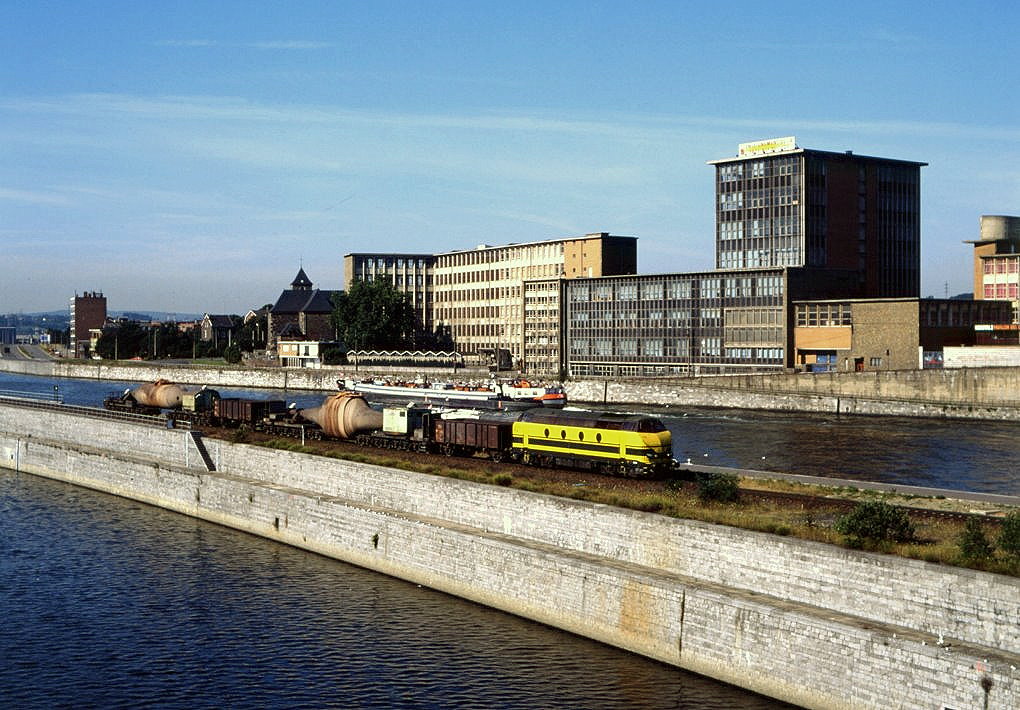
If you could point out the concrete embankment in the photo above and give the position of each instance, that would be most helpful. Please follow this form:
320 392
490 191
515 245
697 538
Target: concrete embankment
984 393
991 393
280 378
812 624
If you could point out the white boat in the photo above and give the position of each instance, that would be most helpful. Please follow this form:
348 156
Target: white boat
490 395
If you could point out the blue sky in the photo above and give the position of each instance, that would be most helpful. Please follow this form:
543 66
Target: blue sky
190 156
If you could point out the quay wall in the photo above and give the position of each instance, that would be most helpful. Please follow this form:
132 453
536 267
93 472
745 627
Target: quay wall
968 393
811 624
972 393
227 376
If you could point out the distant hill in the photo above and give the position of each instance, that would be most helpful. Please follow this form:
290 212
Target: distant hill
155 315
39 314
25 322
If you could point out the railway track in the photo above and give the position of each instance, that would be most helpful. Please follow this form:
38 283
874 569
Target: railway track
830 504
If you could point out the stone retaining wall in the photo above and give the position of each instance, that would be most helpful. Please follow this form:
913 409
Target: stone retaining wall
728 393
812 624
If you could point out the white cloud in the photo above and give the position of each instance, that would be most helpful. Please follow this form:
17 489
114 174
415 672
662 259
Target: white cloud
185 43
290 44
269 44
32 197
653 128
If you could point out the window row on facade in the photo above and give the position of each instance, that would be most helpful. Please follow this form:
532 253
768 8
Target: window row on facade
1007 265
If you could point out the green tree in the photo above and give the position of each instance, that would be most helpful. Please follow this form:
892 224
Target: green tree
875 521
59 337
375 316
252 335
124 341
1009 536
974 544
333 356
232 353
130 339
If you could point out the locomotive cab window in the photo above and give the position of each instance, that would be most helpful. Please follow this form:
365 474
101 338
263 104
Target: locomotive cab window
650 425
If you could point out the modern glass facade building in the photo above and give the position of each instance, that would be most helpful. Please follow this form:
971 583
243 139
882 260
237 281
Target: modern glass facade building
780 205
676 324
791 224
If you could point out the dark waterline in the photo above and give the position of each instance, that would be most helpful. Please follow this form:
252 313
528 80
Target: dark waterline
112 603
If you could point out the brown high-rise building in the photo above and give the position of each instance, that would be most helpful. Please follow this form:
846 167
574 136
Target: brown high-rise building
780 205
88 312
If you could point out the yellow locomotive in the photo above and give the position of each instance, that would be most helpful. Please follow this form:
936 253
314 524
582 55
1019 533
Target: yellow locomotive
606 442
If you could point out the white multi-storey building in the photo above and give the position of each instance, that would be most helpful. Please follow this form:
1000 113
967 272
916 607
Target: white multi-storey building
495 299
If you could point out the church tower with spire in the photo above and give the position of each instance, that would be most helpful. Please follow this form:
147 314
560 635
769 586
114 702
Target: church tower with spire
301 282
302 313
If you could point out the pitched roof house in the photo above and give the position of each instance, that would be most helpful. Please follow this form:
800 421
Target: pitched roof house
302 312
218 328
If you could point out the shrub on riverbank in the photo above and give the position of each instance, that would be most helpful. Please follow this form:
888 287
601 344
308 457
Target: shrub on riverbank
718 487
874 522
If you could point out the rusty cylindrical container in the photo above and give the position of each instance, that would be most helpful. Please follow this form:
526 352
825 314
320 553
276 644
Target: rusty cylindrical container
343 415
161 393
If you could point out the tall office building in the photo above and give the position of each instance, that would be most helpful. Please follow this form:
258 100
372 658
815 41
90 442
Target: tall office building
494 299
792 224
411 274
780 205
88 312
507 297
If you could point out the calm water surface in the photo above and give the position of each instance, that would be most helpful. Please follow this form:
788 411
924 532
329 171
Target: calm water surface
110 603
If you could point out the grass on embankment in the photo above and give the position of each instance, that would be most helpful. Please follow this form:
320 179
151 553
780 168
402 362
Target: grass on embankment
936 539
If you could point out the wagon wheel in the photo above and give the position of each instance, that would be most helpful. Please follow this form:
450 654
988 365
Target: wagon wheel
448 449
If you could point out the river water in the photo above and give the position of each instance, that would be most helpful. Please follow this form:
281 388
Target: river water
112 603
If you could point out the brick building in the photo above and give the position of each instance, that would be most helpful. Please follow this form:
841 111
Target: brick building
301 313
886 334
88 313
997 260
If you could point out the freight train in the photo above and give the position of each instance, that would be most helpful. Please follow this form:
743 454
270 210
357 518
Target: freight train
603 442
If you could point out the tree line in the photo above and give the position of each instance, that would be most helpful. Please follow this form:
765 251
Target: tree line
368 316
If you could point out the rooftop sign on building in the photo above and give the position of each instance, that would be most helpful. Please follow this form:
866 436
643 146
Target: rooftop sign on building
769 145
